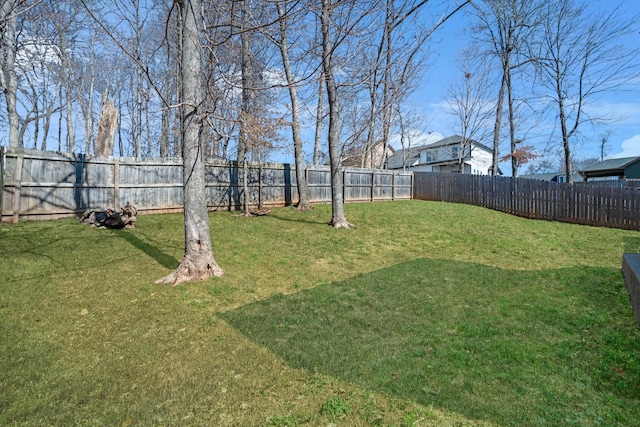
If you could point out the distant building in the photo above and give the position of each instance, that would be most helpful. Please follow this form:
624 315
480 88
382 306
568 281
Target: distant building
613 169
444 156
373 158
553 177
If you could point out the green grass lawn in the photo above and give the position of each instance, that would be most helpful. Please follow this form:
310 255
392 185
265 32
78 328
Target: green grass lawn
426 314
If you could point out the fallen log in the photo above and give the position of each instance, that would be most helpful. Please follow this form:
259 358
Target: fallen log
124 218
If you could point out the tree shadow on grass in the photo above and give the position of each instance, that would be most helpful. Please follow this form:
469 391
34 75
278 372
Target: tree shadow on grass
556 347
302 220
154 252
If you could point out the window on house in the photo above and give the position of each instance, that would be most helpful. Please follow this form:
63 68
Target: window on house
454 152
430 156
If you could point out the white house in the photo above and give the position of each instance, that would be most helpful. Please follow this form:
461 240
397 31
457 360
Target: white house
444 156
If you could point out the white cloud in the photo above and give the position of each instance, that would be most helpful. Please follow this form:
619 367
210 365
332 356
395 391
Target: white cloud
415 138
619 113
630 147
37 52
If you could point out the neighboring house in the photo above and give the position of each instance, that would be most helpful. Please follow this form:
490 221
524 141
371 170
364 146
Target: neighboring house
613 169
553 177
443 156
371 159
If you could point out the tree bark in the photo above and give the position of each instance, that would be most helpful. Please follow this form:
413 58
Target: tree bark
319 120
198 262
512 127
338 219
497 126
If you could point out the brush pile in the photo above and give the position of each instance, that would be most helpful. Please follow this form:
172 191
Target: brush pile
124 218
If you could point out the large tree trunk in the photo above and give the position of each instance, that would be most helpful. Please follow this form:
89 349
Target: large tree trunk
138 135
319 120
497 126
565 138
512 127
8 77
303 189
198 262
243 138
338 220
386 94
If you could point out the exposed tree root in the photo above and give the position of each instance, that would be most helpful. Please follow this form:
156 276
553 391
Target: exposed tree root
340 223
259 212
304 207
190 271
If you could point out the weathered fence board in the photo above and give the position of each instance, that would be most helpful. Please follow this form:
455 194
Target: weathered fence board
608 206
43 185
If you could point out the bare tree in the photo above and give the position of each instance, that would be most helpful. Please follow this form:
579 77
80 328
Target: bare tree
198 262
580 59
338 219
9 12
392 58
604 140
257 122
247 78
303 189
403 40
507 27
470 104
319 121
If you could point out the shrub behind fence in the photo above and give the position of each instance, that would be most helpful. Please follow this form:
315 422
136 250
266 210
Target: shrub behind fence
617 207
44 185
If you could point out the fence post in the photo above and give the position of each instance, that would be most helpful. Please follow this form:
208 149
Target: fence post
17 181
373 184
260 185
393 185
344 186
413 176
116 184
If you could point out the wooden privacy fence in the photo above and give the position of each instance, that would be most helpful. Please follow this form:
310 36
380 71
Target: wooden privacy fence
43 185
588 204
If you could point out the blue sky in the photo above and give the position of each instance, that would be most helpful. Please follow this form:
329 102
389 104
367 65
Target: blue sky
625 131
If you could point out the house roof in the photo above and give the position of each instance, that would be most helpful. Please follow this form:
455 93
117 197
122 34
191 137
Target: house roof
553 176
541 176
456 139
406 157
611 165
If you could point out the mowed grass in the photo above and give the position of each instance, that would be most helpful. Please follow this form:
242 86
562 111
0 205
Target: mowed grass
426 314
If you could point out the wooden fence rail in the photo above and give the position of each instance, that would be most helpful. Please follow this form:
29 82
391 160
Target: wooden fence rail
43 185
617 207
